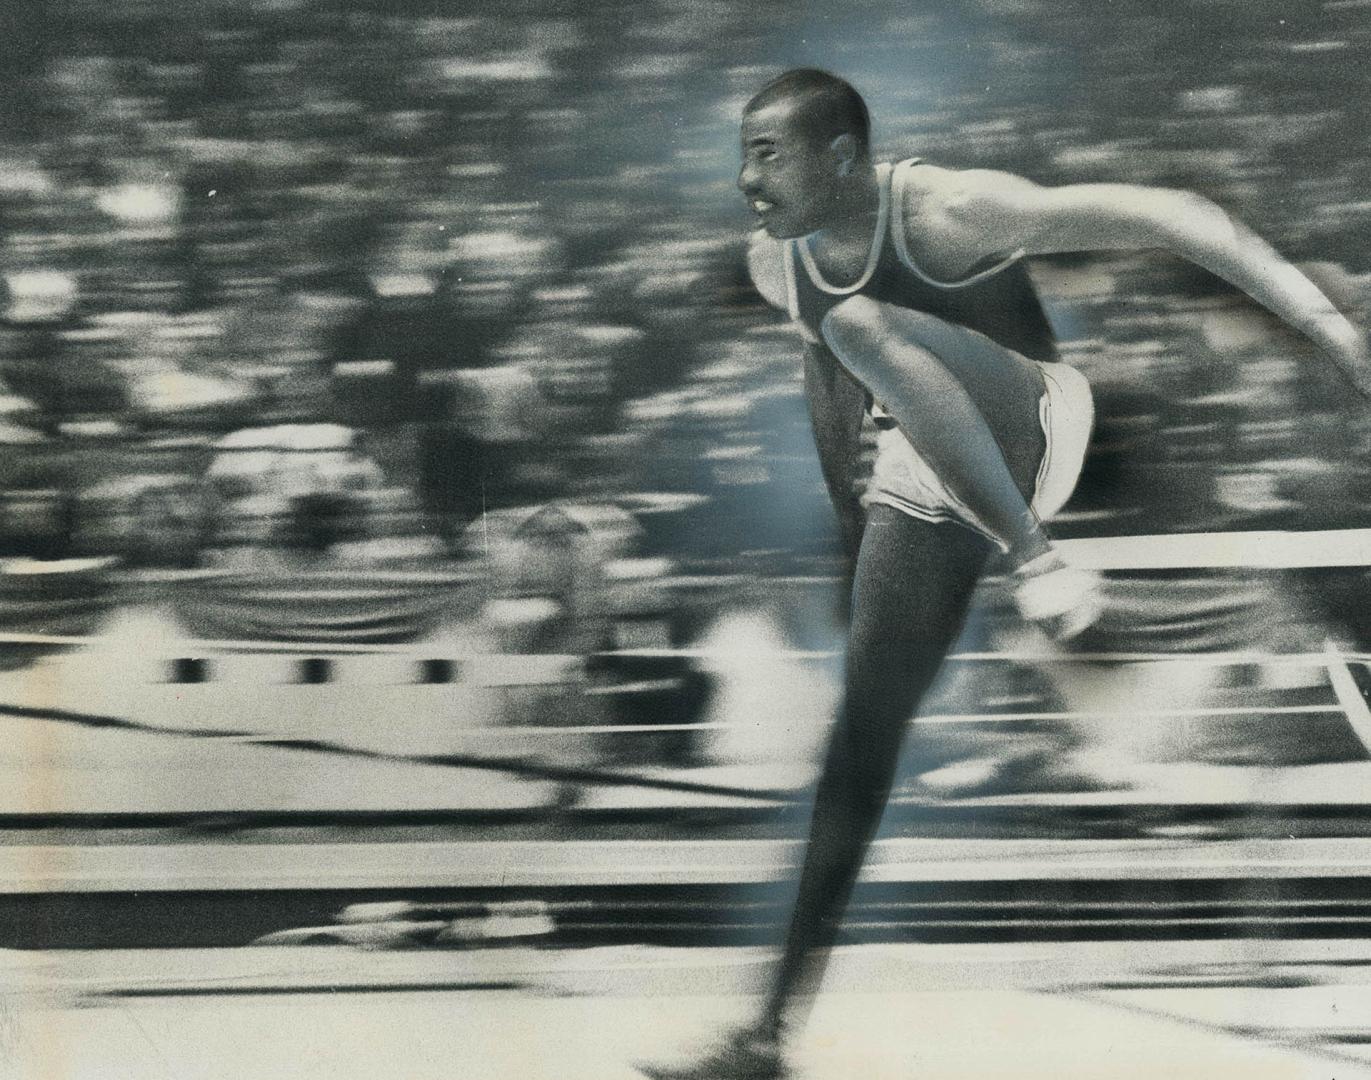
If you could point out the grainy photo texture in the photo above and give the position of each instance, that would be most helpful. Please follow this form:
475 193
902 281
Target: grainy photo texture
685 540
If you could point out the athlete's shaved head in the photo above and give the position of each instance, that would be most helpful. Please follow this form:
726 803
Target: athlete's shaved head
829 106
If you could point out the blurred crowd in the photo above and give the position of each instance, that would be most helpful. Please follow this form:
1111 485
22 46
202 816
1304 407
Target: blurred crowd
294 285
502 249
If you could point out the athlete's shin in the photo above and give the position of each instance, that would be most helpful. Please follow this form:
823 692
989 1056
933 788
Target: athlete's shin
913 584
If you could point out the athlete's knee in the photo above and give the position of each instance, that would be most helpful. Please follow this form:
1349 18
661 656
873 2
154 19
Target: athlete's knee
890 666
864 747
854 324
921 328
859 327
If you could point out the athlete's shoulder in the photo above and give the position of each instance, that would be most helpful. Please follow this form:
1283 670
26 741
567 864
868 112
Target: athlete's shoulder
957 218
961 194
766 264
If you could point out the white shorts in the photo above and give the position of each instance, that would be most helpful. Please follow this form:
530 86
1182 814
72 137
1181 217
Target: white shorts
902 479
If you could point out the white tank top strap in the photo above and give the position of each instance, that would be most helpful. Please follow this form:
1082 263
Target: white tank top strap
873 257
899 180
792 298
792 295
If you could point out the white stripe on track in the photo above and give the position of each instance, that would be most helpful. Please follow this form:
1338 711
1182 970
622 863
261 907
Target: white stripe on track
1263 550
32 869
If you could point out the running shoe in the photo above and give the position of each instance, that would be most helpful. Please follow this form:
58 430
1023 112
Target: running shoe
1063 599
745 1055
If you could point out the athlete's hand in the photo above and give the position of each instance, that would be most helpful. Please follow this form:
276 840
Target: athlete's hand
1064 600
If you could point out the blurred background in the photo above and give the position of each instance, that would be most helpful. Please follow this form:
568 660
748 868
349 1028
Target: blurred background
296 288
394 444
499 255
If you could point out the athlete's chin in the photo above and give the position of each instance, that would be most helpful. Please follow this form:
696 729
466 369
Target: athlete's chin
779 229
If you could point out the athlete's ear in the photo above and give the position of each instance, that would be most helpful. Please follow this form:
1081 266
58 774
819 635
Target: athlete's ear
844 150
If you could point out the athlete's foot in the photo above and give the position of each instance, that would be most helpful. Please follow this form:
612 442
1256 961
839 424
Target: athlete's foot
1064 600
745 1055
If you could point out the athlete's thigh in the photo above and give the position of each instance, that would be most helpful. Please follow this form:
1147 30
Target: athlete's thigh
989 370
912 589
871 337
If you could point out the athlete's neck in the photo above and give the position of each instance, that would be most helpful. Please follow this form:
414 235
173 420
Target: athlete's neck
849 233
855 212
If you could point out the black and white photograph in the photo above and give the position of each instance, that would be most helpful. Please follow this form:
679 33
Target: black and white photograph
685 540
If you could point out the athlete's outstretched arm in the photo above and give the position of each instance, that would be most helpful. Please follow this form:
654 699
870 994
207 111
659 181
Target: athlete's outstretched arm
998 212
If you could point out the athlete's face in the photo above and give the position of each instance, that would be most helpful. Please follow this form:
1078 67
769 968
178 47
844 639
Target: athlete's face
791 178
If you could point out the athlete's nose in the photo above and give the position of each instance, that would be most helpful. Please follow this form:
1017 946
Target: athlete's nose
747 183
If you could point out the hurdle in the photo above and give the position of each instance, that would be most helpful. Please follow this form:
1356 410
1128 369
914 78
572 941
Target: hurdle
437 664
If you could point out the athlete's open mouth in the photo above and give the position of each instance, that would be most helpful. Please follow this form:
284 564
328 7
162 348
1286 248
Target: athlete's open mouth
762 206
